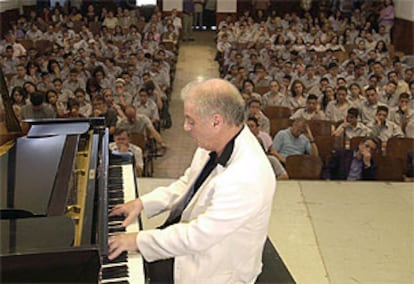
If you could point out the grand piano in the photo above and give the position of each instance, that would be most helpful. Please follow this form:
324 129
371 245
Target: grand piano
57 184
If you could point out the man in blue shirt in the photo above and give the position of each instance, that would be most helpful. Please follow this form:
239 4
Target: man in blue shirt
295 140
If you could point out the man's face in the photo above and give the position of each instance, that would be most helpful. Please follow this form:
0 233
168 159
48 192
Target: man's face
310 71
352 119
373 81
382 116
9 52
372 97
143 97
58 86
377 68
298 128
29 88
368 145
73 76
403 102
80 97
390 89
154 67
121 139
341 83
393 77
201 130
21 71
408 75
311 105
52 98
99 105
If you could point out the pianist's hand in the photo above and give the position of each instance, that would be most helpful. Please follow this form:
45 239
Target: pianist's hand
120 243
130 210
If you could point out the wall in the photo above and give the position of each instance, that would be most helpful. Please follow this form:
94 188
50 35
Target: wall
403 31
10 10
403 36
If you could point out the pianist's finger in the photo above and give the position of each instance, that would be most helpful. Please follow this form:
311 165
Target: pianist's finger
118 210
120 243
130 210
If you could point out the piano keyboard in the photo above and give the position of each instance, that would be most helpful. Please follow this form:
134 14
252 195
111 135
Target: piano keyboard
129 266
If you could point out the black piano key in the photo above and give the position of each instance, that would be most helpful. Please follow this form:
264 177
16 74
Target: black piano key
120 282
115 194
115 186
116 230
116 201
114 183
115 272
115 174
116 218
123 257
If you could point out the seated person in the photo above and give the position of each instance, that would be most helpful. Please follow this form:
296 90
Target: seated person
139 123
74 109
111 104
36 109
351 127
100 109
311 110
355 164
58 107
295 140
409 129
262 136
402 114
337 110
383 128
254 108
121 144
369 107
144 105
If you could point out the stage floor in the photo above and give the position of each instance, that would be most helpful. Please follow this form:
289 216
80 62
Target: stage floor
338 232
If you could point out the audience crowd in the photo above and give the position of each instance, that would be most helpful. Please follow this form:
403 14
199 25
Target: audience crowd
94 62
335 66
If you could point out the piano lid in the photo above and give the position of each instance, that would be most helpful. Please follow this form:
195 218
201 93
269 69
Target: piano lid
36 162
36 234
41 130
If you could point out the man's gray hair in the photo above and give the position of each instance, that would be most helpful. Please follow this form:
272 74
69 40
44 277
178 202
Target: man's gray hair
216 96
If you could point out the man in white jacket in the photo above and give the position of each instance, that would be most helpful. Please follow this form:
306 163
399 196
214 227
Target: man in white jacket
219 208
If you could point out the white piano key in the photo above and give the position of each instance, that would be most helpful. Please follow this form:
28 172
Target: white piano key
135 261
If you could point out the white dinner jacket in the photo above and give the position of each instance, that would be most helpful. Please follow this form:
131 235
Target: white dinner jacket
222 231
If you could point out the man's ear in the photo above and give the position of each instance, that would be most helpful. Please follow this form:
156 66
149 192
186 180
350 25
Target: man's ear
217 120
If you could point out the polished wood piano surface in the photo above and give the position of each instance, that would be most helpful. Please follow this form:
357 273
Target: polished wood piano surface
57 185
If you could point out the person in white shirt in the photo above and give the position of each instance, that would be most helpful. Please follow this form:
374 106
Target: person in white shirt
122 144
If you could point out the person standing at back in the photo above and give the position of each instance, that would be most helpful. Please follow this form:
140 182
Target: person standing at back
219 209
188 11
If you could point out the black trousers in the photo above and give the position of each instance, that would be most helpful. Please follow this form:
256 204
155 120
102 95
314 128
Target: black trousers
161 271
